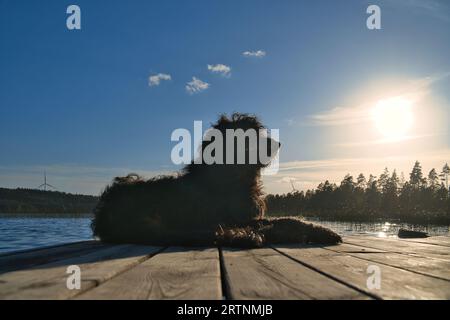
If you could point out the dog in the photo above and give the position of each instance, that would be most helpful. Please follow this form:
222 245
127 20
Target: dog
205 204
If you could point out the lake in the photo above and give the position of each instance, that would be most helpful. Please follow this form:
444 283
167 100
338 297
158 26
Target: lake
19 232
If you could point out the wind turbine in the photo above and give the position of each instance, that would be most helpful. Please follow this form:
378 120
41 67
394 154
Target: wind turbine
45 184
292 185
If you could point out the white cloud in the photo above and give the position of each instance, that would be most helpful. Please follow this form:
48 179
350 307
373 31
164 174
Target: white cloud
155 80
220 68
196 86
256 54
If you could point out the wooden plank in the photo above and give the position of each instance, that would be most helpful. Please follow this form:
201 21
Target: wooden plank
439 268
18 252
267 274
28 258
399 246
437 240
176 273
395 283
48 281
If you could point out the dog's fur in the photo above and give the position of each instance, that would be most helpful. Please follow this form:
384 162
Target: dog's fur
205 204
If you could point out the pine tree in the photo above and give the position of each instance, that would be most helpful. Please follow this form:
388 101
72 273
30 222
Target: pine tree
445 174
372 183
361 182
394 182
433 179
416 176
383 181
402 180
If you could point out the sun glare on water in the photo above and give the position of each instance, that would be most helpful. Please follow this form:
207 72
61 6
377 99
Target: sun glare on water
393 117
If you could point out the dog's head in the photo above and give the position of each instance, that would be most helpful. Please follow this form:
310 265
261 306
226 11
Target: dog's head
234 151
239 140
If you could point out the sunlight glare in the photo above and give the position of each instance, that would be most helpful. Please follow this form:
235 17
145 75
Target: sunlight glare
393 117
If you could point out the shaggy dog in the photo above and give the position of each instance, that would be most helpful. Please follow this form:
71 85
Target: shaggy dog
205 204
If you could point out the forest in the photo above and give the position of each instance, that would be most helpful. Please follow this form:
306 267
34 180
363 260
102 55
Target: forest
423 198
38 201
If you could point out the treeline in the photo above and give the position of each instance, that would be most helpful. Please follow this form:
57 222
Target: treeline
39 201
420 199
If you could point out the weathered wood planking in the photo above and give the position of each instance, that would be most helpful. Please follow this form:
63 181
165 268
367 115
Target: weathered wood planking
176 273
266 274
48 281
434 267
400 246
410 269
29 258
395 283
437 240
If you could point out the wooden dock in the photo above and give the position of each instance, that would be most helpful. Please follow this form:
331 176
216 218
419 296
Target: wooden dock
409 269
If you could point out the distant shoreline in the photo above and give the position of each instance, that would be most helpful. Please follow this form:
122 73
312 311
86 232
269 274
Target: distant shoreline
38 203
32 201
45 215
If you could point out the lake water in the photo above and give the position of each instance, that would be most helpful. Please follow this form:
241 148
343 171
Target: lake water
381 229
19 232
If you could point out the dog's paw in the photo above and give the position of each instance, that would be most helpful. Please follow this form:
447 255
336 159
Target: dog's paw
246 237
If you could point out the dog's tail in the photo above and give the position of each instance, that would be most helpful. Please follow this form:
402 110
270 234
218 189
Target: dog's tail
110 220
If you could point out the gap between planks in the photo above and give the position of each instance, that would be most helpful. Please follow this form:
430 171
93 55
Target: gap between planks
396 283
267 274
400 247
428 266
48 281
175 273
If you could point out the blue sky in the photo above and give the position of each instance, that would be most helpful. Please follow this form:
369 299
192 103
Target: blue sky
78 102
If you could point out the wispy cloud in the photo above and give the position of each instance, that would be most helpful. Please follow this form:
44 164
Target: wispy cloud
222 69
196 86
255 54
388 141
290 122
155 80
341 116
435 8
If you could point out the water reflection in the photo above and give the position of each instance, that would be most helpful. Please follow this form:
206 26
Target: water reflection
379 229
19 232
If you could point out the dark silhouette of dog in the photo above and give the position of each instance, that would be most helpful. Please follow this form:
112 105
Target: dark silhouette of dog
205 204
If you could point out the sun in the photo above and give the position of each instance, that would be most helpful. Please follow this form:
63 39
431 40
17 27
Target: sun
393 117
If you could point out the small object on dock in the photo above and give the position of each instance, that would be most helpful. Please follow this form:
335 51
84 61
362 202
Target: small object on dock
403 233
